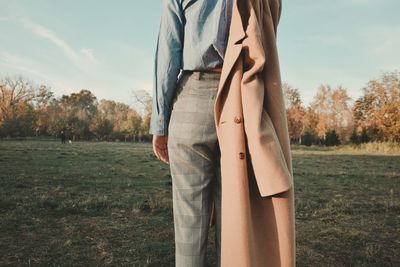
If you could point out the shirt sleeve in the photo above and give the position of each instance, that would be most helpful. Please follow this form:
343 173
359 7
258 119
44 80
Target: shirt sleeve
167 65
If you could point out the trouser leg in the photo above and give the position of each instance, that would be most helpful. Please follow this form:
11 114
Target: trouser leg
194 169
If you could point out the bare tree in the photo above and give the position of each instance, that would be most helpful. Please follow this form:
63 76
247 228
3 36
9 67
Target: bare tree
12 92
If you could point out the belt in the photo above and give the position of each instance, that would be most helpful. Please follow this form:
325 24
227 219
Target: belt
199 74
218 70
211 70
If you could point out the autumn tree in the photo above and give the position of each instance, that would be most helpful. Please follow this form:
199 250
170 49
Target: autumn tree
125 120
146 120
342 117
101 127
310 122
321 106
79 109
42 104
16 110
143 99
378 111
295 112
333 112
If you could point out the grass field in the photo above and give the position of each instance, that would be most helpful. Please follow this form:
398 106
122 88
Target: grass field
109 204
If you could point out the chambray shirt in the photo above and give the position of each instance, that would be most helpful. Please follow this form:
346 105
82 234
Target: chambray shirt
193 35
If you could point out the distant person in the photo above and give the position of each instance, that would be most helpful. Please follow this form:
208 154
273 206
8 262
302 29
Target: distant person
192 37
62 137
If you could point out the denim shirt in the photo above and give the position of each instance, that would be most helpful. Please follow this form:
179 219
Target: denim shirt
193 35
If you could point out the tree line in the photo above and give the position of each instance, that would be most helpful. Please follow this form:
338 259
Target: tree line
29 110
330 119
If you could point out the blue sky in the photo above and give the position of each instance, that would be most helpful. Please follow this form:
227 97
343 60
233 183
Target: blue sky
108 47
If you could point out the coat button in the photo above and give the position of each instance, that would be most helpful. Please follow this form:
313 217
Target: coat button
237 119
241 155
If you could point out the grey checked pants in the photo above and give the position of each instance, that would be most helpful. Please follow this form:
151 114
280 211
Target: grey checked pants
194 157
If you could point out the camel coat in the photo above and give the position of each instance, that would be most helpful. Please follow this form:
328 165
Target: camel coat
257 205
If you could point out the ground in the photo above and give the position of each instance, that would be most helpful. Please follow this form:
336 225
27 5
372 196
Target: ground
109 204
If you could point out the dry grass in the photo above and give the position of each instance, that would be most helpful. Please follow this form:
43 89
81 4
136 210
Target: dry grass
109 204
386 148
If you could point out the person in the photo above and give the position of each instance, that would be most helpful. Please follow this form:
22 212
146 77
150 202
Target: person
191 45
62 136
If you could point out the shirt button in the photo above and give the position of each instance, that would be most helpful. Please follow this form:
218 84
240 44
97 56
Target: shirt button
241 155
237 119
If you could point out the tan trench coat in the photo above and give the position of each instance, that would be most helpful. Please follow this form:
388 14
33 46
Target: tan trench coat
257 213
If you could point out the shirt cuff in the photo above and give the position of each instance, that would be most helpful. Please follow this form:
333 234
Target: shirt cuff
158 124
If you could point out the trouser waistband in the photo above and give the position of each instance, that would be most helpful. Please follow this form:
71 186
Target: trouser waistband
200 75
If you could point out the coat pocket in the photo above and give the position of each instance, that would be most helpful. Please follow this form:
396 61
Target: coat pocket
269 165
272 136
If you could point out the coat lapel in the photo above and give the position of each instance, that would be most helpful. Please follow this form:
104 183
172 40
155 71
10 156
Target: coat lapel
234 46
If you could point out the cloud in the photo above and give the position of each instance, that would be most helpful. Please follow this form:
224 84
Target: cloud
137 54
89 54
78 58
108 85
30 67
382 43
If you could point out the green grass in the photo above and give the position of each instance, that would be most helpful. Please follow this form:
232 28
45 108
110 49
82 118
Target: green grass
109 204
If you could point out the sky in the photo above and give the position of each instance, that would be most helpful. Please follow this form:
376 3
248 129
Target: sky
108 47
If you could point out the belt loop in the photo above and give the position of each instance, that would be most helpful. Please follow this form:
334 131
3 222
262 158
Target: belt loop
198 75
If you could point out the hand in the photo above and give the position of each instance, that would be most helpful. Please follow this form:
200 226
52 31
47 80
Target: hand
160 147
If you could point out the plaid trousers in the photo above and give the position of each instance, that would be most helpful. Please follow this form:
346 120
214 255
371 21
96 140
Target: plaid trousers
194 157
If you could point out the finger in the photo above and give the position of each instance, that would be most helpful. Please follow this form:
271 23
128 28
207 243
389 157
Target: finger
155 150
158 156
167 156
167 150
164 156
